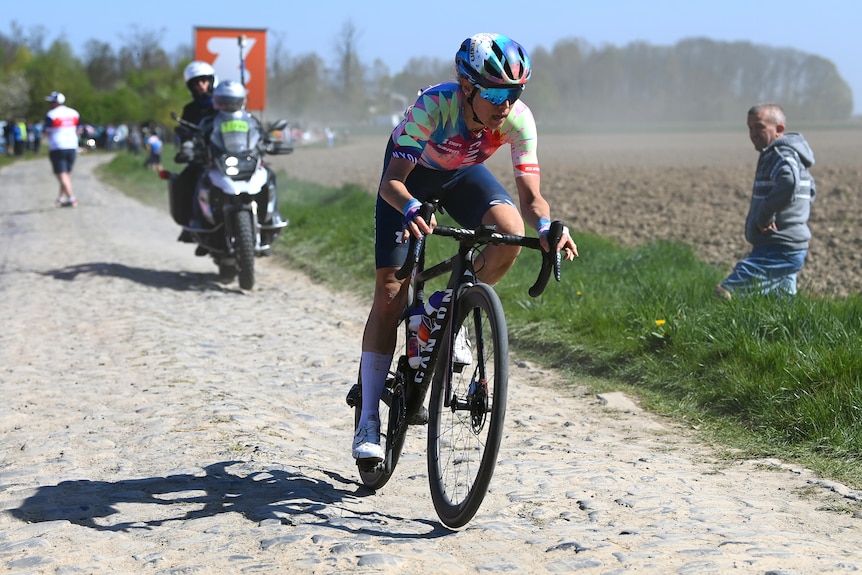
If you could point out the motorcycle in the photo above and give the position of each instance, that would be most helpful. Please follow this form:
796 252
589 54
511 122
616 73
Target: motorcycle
236 217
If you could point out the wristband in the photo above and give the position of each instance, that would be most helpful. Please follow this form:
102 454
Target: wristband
543 226
411 208
411 205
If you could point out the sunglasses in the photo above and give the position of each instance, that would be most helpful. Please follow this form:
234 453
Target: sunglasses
499 95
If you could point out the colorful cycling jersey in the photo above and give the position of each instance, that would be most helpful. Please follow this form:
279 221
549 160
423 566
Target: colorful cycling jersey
433 134
61 125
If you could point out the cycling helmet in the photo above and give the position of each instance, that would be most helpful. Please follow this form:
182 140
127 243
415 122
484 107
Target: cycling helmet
493 61
229 96
198 69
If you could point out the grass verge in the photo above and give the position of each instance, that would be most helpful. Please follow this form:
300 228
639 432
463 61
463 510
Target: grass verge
768 377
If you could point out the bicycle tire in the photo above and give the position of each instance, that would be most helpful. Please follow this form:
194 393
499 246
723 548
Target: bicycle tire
463 443
244 229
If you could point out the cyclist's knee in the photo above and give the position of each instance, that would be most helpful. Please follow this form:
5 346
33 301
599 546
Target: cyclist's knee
495 262
388 290
506 218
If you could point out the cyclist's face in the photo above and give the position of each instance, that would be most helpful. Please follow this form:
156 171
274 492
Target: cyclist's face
491 115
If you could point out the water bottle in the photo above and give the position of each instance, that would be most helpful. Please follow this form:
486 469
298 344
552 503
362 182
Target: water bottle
413 359
423 331
414 321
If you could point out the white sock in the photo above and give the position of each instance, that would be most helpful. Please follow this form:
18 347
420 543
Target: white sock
373 369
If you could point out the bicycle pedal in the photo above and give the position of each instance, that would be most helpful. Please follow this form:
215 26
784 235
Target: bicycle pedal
419 418
368 465
354 395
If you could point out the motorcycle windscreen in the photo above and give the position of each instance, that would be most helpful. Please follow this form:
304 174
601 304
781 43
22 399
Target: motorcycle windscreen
237 136
235 133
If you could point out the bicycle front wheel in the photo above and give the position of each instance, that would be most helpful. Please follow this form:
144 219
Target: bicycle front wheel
465 423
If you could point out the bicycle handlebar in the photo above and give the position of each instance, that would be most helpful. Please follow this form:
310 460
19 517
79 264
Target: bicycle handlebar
550 260
414 247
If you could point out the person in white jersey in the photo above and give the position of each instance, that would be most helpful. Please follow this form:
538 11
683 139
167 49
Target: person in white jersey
61 131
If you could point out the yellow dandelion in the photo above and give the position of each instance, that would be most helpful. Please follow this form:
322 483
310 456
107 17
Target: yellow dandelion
660 322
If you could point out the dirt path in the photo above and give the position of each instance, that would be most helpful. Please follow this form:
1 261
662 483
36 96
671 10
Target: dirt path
154 420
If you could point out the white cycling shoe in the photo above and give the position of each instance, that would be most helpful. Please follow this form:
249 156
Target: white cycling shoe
461 352
366 442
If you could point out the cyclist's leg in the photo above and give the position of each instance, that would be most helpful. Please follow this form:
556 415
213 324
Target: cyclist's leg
475 197
379 337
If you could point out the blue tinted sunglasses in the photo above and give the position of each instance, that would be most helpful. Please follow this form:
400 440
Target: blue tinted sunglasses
499 95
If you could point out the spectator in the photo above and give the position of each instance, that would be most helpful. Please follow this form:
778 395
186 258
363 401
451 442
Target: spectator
134 141
154 147
777 221
19 137
8 138
61 127
110 132
37 137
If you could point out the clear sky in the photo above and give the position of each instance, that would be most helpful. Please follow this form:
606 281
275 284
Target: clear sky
395 32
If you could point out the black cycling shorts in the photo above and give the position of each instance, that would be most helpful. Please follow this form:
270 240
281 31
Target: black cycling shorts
466 194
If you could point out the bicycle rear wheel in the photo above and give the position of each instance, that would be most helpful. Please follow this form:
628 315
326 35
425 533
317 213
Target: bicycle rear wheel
465 425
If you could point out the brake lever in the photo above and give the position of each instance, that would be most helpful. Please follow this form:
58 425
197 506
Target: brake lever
551 260
414 248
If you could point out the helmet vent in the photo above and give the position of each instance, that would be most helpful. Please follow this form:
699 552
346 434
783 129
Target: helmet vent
491 71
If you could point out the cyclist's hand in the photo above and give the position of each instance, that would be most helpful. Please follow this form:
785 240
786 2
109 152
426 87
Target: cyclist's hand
566 246
414 224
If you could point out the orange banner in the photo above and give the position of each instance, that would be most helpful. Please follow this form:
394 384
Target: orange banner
232 51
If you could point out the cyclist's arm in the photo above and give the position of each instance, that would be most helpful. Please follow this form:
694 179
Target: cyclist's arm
393 190
534 207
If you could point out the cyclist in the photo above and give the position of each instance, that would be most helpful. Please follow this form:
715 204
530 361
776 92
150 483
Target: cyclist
438 150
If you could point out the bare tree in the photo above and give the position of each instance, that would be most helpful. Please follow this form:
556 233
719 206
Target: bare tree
14 95
143 51
349 79
102 65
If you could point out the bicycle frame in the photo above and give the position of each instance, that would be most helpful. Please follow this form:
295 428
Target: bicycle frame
462 273
460 268
472 394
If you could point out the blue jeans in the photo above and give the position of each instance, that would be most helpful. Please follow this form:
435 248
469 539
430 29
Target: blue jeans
767 269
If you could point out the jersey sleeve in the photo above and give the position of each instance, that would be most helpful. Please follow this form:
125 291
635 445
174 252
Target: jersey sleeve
420 121
523 138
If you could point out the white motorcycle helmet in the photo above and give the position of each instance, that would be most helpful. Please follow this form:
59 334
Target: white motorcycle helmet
198 69
229 96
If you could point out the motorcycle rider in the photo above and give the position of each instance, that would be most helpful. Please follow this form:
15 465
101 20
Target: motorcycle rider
201 80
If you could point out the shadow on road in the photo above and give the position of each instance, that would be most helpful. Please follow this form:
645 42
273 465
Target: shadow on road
179 281
29 212
259 495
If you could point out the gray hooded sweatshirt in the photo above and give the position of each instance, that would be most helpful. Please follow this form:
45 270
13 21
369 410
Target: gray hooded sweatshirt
783 192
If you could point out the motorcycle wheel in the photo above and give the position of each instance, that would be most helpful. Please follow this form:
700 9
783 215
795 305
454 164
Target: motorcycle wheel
244 229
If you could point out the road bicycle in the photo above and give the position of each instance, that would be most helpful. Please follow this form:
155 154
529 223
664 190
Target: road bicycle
467 405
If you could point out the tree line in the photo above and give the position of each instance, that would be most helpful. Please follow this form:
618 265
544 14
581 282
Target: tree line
574 84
